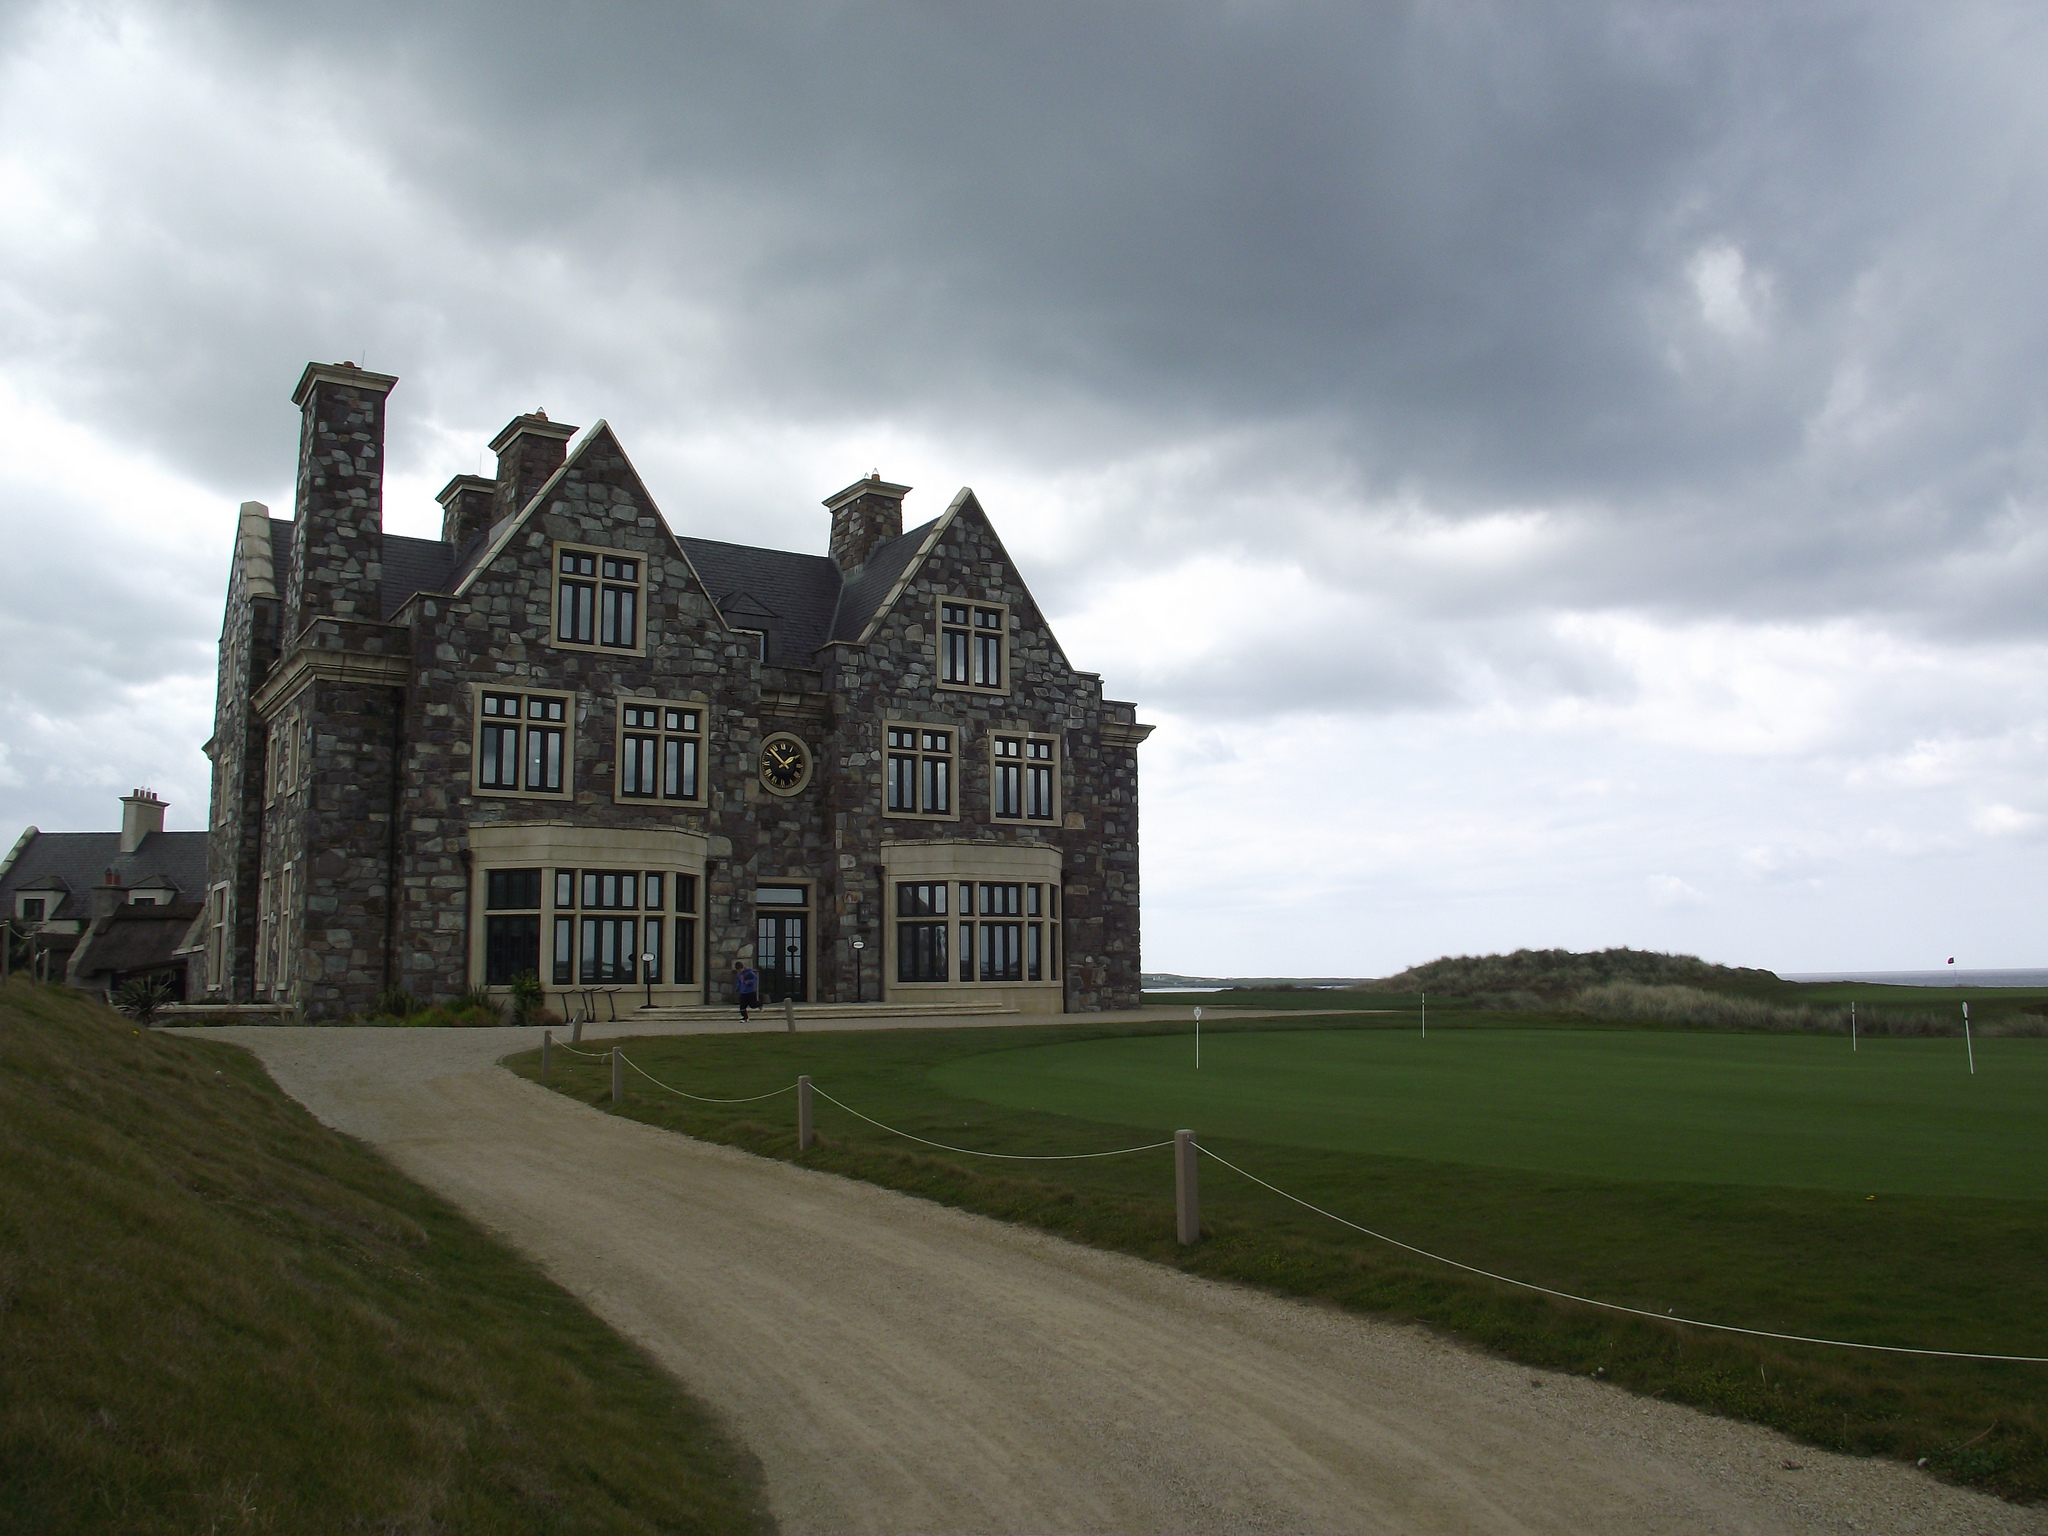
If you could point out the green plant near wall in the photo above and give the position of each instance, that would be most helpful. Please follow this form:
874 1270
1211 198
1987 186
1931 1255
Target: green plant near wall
142 997
529 997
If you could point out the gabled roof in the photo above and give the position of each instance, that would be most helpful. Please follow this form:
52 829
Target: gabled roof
802 602
78 861
130 939
867 589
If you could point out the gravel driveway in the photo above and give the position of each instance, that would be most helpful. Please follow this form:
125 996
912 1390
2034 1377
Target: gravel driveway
902 1367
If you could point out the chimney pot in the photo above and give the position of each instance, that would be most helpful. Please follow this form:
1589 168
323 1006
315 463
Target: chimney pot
141 814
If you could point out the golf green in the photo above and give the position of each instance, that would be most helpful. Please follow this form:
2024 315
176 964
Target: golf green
1796 1111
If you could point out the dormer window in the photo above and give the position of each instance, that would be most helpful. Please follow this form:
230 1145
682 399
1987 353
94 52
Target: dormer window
33 908
599 598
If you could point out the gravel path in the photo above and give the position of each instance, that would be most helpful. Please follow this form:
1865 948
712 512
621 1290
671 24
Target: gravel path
902 1367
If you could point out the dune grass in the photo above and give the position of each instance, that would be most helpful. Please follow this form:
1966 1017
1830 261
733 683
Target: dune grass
1648 1168
216 1315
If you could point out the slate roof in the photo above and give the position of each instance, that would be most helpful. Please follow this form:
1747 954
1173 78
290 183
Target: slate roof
414 565
131 939
78 861
800 601
867 587
790 596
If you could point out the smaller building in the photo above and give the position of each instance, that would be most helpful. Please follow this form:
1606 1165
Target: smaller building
108 907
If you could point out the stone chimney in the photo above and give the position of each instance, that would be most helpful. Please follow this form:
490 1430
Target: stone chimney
141 814
337 566
866 514
466 505
529 450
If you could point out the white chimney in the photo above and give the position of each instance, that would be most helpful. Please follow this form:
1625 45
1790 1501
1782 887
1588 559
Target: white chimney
141 814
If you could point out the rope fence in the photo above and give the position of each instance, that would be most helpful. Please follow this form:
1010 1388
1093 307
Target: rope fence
1013 1157
1187 1209
1613 1306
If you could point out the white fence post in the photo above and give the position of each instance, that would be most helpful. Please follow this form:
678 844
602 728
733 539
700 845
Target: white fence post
618 1076
804 1133
789 1015
1187 1205
576 1032
547 1041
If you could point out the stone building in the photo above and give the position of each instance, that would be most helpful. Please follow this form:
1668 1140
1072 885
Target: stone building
105 907
564 738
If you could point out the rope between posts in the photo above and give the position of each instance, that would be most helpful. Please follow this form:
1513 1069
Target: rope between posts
1011 1157
1614 1306
593 1055
629 1061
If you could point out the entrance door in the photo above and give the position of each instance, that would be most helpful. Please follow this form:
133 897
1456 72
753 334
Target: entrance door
780 946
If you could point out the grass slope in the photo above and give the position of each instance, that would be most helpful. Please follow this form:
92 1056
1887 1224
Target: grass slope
1932 1271
218 1316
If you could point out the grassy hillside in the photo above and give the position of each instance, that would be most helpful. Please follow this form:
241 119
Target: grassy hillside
1546 977
216 1315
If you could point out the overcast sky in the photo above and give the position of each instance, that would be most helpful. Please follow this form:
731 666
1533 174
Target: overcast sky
1564 475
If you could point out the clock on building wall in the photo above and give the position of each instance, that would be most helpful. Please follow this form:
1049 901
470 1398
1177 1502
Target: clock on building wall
785 764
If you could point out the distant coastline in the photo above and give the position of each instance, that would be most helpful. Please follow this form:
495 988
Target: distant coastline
1945 977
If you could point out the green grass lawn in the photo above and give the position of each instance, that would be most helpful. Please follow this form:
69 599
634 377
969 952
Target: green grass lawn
216 1315
1802 1112
1718 1176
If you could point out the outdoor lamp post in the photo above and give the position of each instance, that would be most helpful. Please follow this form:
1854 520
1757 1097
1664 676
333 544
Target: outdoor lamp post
647 971
789 972
858 946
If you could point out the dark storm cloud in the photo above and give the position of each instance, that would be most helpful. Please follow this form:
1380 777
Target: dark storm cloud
1741 301
1458 246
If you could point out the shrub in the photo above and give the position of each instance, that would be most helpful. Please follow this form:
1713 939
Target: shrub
529 997
396 1003
142 997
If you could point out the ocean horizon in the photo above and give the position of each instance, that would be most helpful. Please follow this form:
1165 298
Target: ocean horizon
1947 976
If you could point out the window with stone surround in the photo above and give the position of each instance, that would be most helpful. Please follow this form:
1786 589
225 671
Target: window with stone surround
523 743
511 924
974 645
1024 776
661 752
921 930
1003 931
919 774
217 937
600 599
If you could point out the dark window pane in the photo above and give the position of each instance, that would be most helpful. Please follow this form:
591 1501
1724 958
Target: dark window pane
565 951
686 893
511 890
511 945
576 602
686 951
544 759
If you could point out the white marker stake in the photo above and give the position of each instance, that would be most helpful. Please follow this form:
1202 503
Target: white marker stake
1852 1026
1198 1039
1425 1015
1966 1040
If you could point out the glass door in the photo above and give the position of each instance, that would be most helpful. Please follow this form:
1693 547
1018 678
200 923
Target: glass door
780 950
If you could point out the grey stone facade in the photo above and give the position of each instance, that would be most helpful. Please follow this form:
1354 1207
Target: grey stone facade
359 818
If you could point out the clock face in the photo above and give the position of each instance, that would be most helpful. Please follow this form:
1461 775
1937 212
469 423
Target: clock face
785 764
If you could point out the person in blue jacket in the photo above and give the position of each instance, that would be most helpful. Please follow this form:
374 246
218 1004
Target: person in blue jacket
746 982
